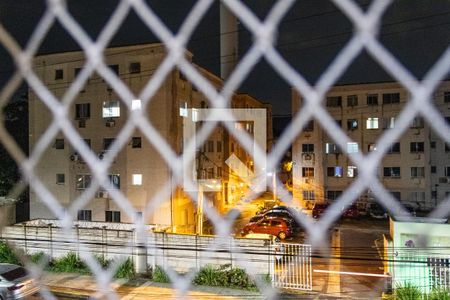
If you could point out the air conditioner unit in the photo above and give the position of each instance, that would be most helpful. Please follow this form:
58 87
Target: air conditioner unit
74 157
443 180
102 194
101 155
110 123
307 156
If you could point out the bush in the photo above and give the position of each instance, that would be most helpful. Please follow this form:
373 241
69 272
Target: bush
439 294
159 275
7 255
102 261
225 276
39 258
69 264
407 291
126 270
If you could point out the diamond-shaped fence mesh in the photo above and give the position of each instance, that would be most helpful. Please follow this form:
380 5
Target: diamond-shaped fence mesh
142 110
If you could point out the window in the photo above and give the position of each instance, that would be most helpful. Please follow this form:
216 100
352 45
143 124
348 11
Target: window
136 104
60 179
59 144
83 181
391 172
447 171
331 148
114 68
394 148
88 142
112 216
371 147
82 111
388 123
433 145
307 148
433 169
372 99
446 147
219 146
84 215
352 171
372 123
416 147
137 179
397 195
114 181
77 71
446 97
136 142
417 172
135 67
210 146
210 173
352 148
333 195
219 172
111 109
339 123
352 124
308 172
232 147
352 100
107 143
334 171
308 195
391 98
309 126
447 119
417 122
417 196
334 101
59 74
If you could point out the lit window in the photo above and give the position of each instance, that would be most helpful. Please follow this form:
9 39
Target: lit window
183 110
352 171
331 148
334 171
372 123
352 148
111 109
137 179
136 104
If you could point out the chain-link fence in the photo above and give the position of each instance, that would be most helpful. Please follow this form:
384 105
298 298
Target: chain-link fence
55 99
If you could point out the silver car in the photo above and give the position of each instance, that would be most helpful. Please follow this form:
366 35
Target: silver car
15 283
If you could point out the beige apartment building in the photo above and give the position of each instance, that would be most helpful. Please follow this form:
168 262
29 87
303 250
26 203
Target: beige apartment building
138 170
416 169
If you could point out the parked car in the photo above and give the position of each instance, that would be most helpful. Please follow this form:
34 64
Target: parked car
15 282
377 211
319 209
285 212
276 226
351 212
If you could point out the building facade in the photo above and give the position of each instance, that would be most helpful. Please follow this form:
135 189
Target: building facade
138 170
416 169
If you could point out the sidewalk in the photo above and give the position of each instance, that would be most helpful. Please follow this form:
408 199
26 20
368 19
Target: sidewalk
84 286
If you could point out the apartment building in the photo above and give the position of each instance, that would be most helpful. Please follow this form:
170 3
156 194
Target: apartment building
138 171
416 169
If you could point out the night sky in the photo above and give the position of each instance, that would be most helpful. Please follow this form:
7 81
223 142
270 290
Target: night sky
310 36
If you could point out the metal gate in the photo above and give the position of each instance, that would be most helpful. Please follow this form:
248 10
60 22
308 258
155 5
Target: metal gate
291 266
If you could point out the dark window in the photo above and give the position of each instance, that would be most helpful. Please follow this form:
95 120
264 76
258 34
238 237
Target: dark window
112 216
59 74
446 97
114 68
417 172
397 195
59 144
82 111
394 148
219 172
333 195
88 142
135 67
107 142
334 101
372 99
84 215
433 145
391 172
308 172
210 146
417 122
114 181
446 147
219 146
83 181
339 123
136 142
309 126
447 171
415 147
352 100
391 98
77 71
60 179
433 169
307 148
352 124
14 274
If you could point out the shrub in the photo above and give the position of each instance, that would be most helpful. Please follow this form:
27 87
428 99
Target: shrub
7 255
69 264
407 291
103 262
209 275
439 294
159 275
126 270
39 258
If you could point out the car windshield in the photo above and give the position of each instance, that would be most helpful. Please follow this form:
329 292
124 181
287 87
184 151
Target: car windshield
14 274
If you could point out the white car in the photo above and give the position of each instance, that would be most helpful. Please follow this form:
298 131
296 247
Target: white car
15 283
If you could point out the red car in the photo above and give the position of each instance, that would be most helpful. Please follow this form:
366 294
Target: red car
276 226
351 212
319 209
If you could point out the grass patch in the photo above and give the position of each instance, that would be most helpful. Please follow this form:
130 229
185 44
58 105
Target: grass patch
126 270
70 263
160 275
